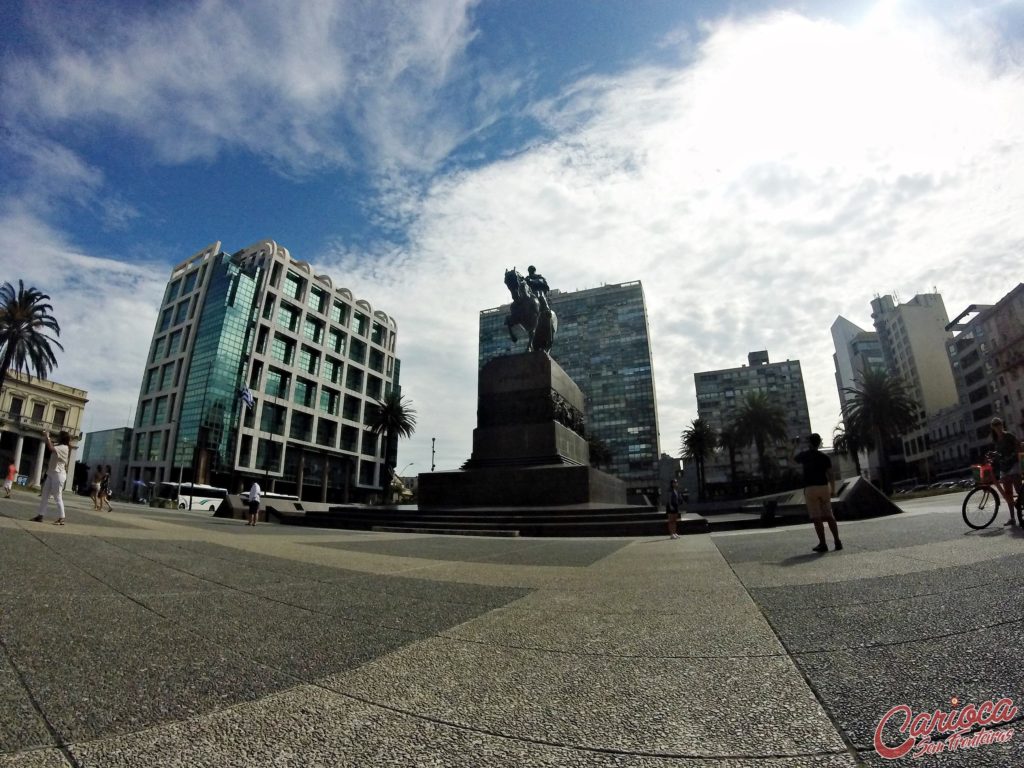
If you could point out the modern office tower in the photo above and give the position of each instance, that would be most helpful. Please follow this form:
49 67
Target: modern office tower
603 343
968 422
110 447
913 337
30 406
720 395
857 351
260 368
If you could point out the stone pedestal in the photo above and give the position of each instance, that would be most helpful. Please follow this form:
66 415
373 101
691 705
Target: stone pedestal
528 447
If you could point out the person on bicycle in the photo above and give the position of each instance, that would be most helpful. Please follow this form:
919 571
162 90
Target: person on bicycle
1007 446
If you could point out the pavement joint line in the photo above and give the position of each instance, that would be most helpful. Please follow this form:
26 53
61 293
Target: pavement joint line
58 743
233 561
566 745
836 724
905 642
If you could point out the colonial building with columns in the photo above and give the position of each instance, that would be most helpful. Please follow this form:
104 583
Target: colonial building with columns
28 408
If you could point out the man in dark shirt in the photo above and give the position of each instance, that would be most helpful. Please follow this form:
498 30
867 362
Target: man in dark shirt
819 488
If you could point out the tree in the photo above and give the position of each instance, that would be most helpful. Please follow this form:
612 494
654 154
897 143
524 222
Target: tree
879 411
391 417
600 453
729 440
760 420
25 344
698 441
847 444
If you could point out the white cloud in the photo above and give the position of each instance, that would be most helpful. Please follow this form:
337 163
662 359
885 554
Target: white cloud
106 309
794 170
299 89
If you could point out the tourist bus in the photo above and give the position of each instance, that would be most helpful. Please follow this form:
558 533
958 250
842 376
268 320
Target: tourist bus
189 496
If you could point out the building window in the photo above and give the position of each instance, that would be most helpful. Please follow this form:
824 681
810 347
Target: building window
190 282
181 313
16 405
369 444
282 349
326 432
160 411
339 313
278 383
305 392
288 317
357 351
374 387
309 360
332 369
165 319
336 341
360 323
292 287
156 442
313 330
317 300
38 409
349 439
174 343
352 409
329 400
377 360
354 379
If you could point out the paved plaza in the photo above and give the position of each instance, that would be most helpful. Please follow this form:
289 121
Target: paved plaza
153 638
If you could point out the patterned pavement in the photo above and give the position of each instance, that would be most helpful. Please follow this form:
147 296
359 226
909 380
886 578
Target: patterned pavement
148 638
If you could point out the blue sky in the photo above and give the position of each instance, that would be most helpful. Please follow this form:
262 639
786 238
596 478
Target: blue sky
760 167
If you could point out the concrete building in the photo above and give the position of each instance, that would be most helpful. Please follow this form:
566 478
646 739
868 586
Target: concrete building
987 359
914 339
260 368
603 343
29 407
110 447
720 395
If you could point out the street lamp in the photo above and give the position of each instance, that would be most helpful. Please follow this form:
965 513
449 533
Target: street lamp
405 468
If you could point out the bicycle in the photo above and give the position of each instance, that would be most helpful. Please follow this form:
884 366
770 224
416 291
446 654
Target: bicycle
981 504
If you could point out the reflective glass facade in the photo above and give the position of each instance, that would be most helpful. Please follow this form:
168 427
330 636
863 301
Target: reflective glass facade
603 343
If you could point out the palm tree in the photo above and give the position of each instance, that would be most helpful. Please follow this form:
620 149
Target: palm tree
25 344
847 444
729 440
760 420
698 443
880 410
391 417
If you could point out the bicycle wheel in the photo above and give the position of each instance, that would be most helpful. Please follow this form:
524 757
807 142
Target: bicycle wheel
981 506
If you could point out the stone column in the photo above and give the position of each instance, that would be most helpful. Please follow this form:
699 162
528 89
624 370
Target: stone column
72 463
37 469
17 452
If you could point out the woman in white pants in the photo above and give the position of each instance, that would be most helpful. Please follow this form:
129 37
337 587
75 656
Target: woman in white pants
56 476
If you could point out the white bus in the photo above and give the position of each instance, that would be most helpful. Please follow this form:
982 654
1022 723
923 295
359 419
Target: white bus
189 496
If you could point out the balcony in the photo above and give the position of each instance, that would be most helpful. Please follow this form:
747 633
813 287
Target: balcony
24 423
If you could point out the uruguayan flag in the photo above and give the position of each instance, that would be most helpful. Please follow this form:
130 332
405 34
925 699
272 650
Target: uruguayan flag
247 398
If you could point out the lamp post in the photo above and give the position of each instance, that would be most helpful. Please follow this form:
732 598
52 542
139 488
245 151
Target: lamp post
405 468
432 453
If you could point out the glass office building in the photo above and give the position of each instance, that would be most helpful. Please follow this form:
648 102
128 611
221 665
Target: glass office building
260 368
603 343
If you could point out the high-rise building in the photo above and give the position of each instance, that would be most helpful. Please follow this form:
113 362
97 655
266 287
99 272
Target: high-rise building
1005 329
260 368
110 447
857 351
720 396
913 338
603 343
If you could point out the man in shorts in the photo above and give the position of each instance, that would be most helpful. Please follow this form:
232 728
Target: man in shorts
819 488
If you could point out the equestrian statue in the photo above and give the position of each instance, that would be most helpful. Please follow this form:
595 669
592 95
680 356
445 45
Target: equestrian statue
530 309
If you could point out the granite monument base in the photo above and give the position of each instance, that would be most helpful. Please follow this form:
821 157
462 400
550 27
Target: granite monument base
542 486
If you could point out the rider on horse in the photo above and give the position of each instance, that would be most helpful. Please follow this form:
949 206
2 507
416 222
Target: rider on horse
538 285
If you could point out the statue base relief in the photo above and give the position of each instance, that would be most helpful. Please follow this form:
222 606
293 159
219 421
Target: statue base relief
529 447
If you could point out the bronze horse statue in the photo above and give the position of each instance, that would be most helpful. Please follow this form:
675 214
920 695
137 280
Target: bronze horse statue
540 325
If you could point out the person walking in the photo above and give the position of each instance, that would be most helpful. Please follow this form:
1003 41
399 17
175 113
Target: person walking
12 472
94 487
56 476
819 488
254 502
1007 446
104 494
672 509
